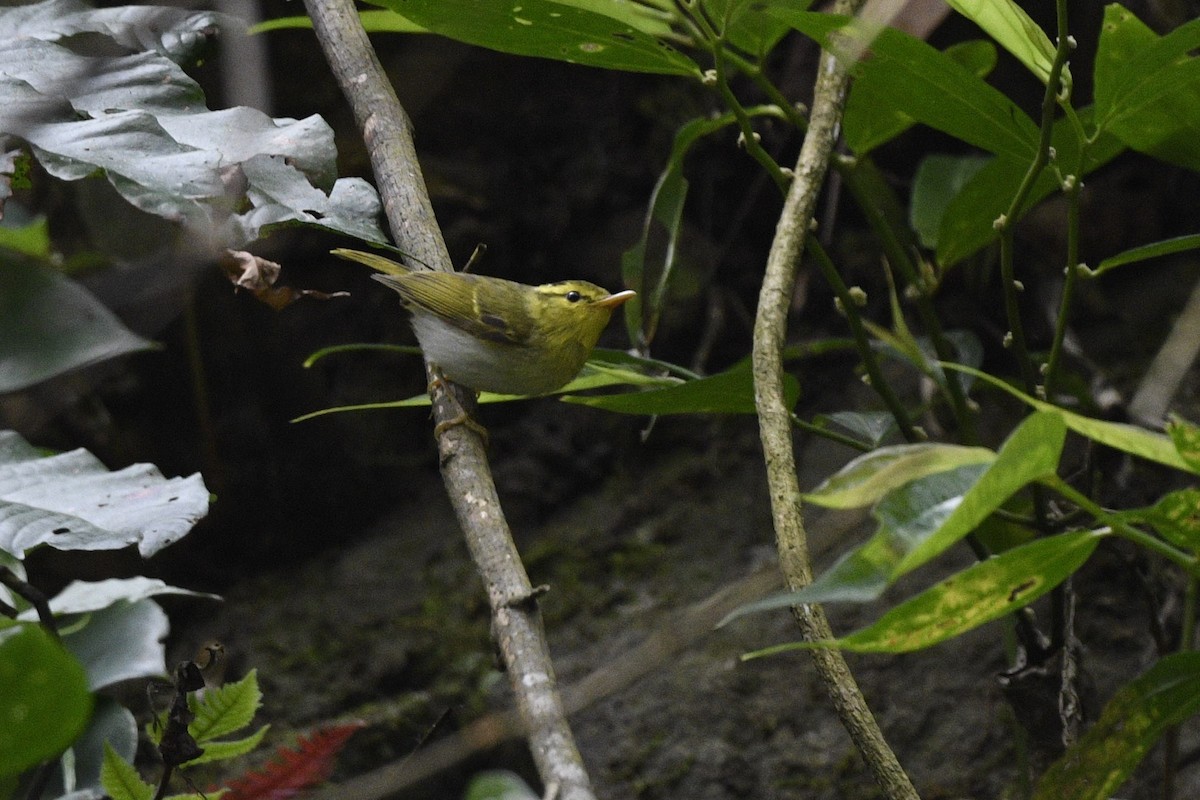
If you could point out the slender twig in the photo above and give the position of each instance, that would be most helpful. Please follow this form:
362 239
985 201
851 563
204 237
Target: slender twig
516 621
33 595
1006 222
775 430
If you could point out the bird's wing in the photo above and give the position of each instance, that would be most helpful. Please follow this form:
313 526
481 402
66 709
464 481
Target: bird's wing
491 308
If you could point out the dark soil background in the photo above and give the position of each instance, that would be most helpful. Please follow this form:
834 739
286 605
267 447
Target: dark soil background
347 585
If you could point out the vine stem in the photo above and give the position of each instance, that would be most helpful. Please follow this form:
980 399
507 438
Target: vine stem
516 620
775 431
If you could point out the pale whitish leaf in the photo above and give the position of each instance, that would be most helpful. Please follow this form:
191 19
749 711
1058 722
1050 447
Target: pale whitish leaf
50 325
71 501
82 596
121 642
142 122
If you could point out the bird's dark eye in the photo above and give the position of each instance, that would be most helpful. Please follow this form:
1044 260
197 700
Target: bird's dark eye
574 297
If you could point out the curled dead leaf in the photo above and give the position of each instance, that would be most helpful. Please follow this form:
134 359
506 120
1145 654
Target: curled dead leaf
258 276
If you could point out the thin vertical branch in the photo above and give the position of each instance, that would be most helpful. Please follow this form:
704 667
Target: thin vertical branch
770 331
516 621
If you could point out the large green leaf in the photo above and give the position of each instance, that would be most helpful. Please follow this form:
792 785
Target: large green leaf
50 325
561 31
1148 87
929 87
1015 31
71 501
1119 435
979 594
869 477
728 392
921 519
872 115
136 118
44 699
1096 766
968 223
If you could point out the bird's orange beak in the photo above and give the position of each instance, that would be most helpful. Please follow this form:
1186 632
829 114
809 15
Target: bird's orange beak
614 300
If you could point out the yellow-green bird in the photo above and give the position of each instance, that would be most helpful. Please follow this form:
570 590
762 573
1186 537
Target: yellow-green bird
495 335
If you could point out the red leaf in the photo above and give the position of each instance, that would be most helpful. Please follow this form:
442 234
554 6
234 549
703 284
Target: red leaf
291 770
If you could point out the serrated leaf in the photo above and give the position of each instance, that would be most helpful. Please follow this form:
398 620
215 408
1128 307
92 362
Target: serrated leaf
71 501
1096 766
120 780
44 699
560 31
229 748
927 86
290 770
225 710
50 325
872 475
979 594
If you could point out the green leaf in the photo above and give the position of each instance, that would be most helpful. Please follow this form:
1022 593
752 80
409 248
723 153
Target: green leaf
872 475
1127 438
548 29
666 209
1147 90
747 25
372 22
1012 28
50 325
939 179
728 392
1096 766
44 699
969 220
71 501
499 785
979 594
225 710
31 239
229 748
1176 517
924 517
1166 247
871 110
926 86
872 426
120 780
1186 438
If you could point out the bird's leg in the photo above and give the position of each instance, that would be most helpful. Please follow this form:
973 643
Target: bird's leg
438 381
